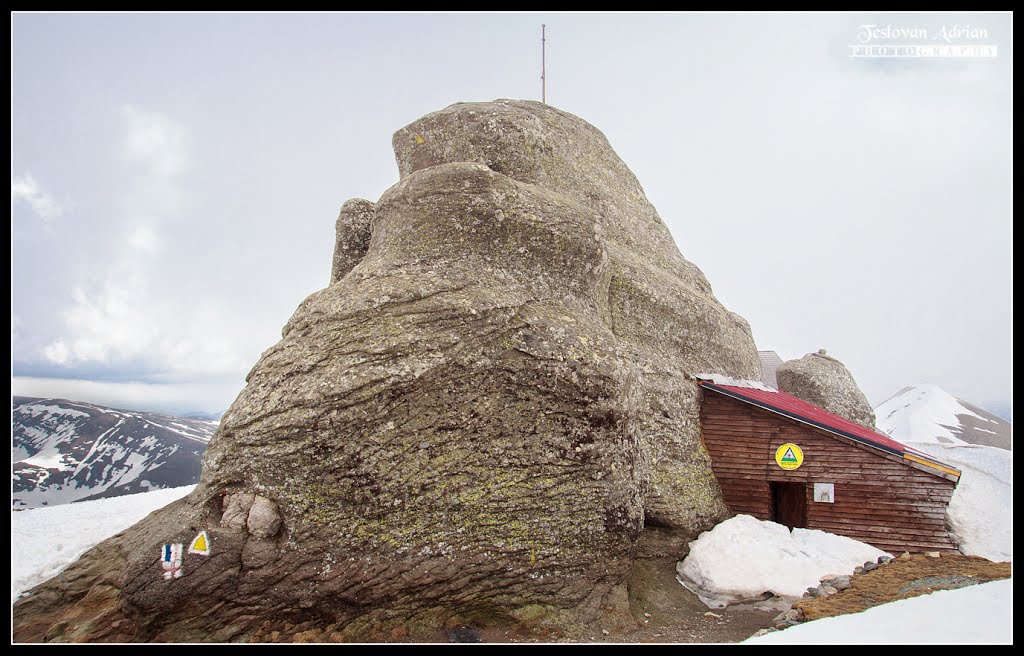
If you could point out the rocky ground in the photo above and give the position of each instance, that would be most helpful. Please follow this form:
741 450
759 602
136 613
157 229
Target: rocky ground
668 615
662 611
902 578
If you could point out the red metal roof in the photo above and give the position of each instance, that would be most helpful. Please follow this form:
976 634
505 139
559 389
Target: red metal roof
803 411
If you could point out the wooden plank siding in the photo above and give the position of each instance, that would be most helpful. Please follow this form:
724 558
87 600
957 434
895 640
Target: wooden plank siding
879 497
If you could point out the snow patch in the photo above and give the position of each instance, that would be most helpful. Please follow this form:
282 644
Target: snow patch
46 540
744 557
194 435
722 379
19 453
977 614
48 460
36 409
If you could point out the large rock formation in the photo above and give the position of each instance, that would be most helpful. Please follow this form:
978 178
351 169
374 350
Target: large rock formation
478 417
820 379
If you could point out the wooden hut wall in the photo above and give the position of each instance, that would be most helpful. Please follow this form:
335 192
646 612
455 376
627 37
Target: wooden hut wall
879 498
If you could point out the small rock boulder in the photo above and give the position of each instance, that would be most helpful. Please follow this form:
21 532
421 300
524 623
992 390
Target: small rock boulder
236 509
264 519
824 381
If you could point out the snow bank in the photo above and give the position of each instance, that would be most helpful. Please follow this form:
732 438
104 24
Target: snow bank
46 540
978 614
743 557
722 379
981 511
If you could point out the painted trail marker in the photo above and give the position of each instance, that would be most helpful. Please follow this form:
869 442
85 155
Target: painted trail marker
170 561
200 545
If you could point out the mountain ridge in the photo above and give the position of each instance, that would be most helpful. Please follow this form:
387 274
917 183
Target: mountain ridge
928 414
64 451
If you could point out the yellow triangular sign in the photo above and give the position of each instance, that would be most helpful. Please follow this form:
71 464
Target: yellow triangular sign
200 545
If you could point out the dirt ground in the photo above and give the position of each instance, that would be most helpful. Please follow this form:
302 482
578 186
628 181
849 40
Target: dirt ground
905 577
665 612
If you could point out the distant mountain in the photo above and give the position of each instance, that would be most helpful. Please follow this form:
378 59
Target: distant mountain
64 451
209 416
1002 409
929 414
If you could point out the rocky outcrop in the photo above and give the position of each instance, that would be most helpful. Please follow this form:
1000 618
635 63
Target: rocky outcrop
820 379
478 417
352 236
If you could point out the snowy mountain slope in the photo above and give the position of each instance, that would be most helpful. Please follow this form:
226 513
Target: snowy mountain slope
64 451
977 442
980 514
928 414
46 540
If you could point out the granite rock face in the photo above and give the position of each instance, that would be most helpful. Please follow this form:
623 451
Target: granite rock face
352 236
658 305
478 417
820 379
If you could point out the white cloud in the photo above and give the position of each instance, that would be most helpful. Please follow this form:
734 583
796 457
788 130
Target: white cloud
156 148
144 238
108 321
155 141
25 189
128 312
57 352
121 320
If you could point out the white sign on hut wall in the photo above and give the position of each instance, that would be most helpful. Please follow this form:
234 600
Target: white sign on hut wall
825 492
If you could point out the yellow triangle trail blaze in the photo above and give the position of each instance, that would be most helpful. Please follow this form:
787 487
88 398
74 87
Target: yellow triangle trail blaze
419 139
200 545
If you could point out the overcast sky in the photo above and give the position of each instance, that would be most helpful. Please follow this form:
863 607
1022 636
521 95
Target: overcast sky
176 178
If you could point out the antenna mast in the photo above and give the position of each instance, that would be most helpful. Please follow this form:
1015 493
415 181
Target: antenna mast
543 66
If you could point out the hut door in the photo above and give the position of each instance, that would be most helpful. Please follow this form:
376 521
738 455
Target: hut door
789 504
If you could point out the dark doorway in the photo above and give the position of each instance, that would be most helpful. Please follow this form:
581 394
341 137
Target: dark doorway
789 504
